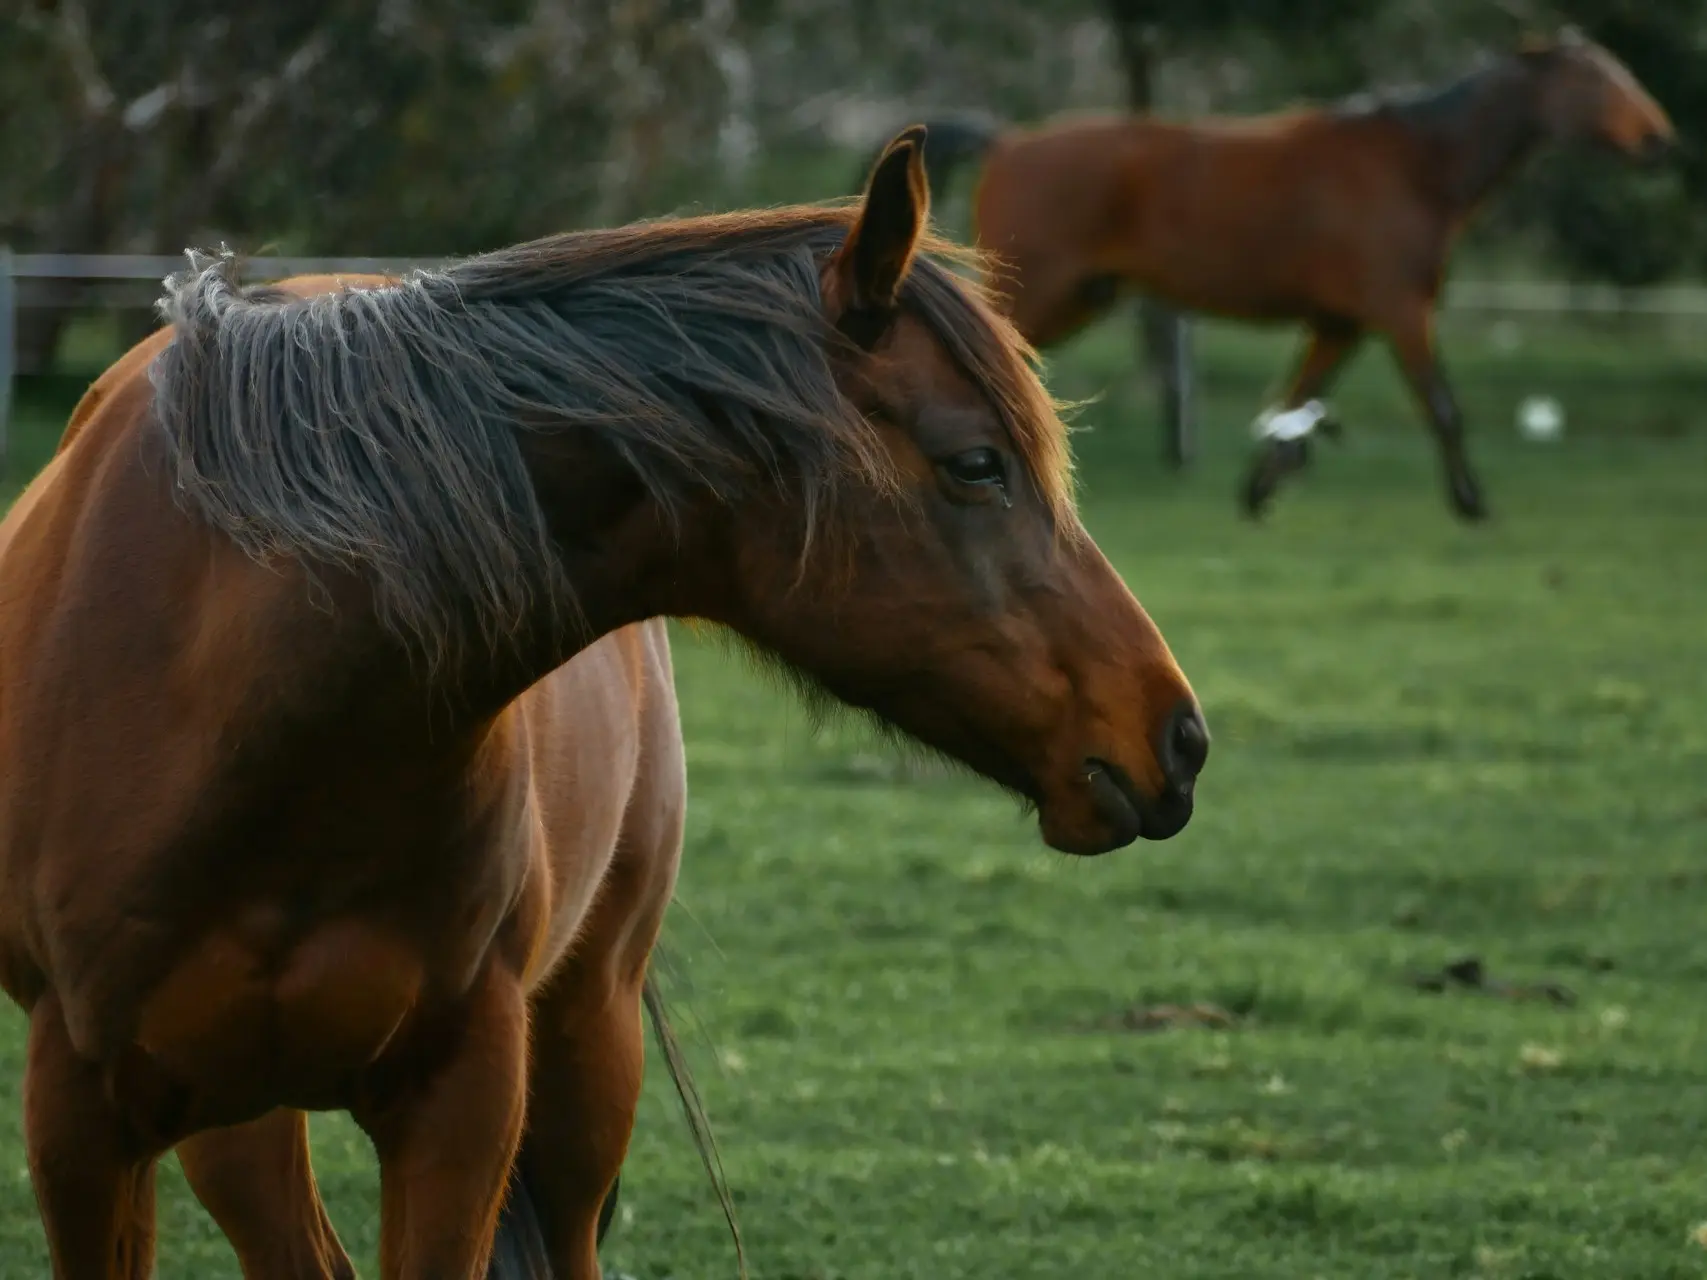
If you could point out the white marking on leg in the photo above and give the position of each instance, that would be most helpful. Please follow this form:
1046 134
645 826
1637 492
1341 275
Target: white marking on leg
1289 424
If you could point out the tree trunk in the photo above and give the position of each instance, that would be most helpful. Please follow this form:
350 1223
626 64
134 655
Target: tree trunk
85 224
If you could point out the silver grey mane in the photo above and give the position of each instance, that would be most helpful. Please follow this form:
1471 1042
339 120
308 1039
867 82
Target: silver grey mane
375 429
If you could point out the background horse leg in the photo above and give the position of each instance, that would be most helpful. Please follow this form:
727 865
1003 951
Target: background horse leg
446 1142
1330 344
1413 346
94 1186
257 1183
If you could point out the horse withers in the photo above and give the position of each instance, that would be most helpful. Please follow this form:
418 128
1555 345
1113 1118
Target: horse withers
339 762
1340 217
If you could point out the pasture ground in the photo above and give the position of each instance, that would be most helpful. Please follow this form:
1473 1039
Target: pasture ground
1431 742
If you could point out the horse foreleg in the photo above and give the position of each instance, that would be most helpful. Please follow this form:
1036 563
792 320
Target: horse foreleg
1325 354
93 1180
257 1183
447 1139
1413 346
1330 346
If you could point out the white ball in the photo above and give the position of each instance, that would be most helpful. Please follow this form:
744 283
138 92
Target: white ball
1540 418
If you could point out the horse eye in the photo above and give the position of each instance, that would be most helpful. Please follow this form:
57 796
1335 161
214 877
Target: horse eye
976 466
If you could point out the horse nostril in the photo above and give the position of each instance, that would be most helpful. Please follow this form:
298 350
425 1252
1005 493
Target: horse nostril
1186 747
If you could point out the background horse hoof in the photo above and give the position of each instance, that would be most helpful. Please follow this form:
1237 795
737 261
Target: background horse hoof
1468 503
1277 459
1259 489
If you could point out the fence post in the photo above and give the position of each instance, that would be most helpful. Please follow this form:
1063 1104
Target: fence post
1182 426
1166 339
8 350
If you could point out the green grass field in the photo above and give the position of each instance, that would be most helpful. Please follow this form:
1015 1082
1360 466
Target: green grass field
1430 743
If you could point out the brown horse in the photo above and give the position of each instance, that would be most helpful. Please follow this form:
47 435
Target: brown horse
1340 217
256 1180
300 806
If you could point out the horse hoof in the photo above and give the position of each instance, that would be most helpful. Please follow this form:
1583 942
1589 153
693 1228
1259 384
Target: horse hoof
1466 497
1257 497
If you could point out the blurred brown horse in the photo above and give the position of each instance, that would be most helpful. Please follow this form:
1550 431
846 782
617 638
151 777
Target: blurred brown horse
340 766
1341 217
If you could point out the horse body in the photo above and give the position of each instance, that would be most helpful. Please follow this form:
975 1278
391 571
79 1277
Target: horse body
1280 197
340 764
185 612
1342 218
234 846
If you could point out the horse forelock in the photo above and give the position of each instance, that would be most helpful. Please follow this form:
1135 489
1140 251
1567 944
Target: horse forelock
375 429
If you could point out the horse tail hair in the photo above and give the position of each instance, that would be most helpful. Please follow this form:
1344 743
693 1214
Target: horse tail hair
518 1250
949 142
676 1063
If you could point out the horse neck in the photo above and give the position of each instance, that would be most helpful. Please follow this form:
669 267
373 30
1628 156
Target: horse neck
1495 128
625 559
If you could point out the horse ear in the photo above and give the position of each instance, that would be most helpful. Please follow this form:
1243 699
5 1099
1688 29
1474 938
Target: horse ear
878 253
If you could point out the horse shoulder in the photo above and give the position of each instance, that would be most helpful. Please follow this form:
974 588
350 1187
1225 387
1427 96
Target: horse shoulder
50 522
1386 175
131 642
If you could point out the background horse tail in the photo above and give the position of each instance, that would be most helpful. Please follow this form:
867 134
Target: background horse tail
948 143
518 1253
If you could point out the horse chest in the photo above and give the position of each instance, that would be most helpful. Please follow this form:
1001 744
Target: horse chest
299 1021
292 973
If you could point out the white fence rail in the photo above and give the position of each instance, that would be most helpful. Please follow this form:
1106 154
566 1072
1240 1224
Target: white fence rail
69 278
143 266
1548 297
8 346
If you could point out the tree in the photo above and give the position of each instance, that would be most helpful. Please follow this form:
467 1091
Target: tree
434 126
350 126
